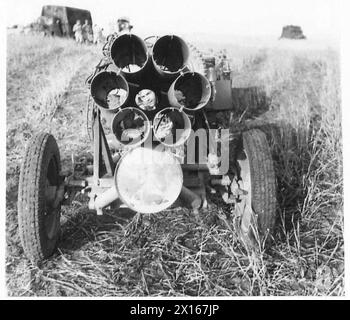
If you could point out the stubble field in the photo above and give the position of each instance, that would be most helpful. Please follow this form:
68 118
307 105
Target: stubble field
175 253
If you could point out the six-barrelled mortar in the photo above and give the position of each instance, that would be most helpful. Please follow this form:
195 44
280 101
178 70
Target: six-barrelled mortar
152 110
149 102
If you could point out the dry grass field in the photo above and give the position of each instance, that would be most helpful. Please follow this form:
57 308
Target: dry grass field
175 253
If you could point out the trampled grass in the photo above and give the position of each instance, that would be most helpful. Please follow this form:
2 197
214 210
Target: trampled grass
175 252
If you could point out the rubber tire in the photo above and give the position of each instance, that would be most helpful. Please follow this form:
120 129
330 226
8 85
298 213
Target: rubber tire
263 180
31 197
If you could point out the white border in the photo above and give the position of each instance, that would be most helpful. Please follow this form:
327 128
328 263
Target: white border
3 290
345 85
345 78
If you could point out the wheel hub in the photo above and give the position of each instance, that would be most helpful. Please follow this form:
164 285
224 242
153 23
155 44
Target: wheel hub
51 214
242 188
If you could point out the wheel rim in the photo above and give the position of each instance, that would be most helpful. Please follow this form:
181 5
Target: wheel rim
51 215
244 206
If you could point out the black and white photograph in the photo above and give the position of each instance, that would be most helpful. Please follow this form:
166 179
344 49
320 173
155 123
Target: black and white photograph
173 149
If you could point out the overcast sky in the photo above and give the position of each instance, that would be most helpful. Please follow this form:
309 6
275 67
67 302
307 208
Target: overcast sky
236 17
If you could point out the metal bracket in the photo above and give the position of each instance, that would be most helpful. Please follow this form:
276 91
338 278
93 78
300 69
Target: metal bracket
103 162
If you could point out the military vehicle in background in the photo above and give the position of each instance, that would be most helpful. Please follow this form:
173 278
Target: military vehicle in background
59 20
292 32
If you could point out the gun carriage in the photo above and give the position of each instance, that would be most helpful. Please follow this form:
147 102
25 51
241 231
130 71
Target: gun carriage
156 145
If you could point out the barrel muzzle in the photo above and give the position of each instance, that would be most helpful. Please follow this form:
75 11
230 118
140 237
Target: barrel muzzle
131 126
171 127
170 55
129 54
109 91
190 91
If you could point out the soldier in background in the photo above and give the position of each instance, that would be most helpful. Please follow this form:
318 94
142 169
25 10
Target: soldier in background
57 28
226 68
78 32
97 34
124 25
87 32
51 26
218 66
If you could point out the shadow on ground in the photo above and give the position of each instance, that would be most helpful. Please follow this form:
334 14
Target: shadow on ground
80 225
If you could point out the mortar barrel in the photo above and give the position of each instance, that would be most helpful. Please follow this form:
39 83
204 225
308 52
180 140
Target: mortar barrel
131 126
191 91
170 55
109 91
171 127
129 53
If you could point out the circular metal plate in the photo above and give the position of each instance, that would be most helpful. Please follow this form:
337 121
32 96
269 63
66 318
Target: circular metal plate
148 180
